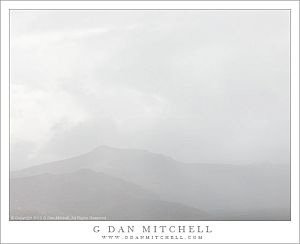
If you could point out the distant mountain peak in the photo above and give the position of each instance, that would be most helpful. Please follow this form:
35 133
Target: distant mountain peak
101 147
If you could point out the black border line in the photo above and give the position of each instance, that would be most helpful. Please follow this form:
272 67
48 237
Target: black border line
0 127
9 108
143 9
156 0
188 9
290 108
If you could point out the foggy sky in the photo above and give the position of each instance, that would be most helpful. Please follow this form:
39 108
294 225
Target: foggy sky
199 86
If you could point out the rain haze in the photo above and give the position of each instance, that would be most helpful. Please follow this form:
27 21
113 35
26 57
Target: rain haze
198 86
150 114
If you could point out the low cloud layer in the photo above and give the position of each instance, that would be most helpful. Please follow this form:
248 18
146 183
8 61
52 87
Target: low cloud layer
199 86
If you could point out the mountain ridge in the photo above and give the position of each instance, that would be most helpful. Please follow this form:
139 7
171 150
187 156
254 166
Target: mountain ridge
87 193
225 189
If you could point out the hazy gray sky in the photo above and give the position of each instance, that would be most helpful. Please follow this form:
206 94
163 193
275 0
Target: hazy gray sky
199 86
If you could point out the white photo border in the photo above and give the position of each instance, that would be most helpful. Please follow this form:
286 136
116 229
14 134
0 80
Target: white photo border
82 231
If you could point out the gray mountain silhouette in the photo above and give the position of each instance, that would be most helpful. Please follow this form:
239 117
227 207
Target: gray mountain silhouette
87 193
226 192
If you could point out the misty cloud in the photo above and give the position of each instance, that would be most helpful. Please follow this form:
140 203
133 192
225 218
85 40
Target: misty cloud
194 85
